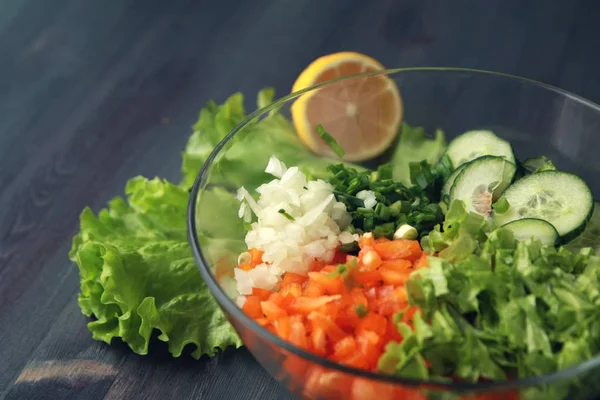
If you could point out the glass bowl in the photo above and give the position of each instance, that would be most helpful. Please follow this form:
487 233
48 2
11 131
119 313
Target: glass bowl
536 118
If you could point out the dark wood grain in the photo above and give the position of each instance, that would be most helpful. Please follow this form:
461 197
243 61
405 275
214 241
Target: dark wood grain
94 92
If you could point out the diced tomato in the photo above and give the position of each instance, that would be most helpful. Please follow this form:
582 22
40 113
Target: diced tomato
318 341
344 347
333 332
246 266
371 293
370 259
399 249
271 329
331 285
366 240
318 312
358 296
392 333
332 309
256 256
394 277
291 277
373 322
298 334
313 289
262 294
252 307
369 344
397 265
355 360
347 320
272 311
306 305
317 265
282 327
339 258
366 278
409 313
422 261
294 289
282 300
391 300
384 291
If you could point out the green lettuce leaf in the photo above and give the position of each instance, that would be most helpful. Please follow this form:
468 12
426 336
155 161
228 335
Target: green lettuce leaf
496 306
247 155
413 147
137 274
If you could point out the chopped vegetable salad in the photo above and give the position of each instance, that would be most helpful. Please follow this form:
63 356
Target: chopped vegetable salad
453 276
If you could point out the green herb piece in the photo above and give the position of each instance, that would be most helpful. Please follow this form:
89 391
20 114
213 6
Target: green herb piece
349 247
501 206
406 231
396 205
337 149
341 270
361 310
285 214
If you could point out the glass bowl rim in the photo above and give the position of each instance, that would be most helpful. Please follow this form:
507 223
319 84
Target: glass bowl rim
231 307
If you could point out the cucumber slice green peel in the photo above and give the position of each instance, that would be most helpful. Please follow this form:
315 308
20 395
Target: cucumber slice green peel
449 182
533 228
481 182
474 144
562 199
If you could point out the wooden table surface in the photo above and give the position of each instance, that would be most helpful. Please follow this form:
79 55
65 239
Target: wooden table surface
95 92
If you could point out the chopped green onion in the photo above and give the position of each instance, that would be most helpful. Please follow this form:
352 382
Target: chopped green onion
386 230
341 270
349 247
285 214
337 149
361 310
406 232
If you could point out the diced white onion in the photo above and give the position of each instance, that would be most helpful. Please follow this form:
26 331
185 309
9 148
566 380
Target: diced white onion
275 167
368 197
313 232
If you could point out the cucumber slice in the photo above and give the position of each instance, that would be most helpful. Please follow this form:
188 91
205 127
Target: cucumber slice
481 182
528 228
449 182
562 199
474 144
